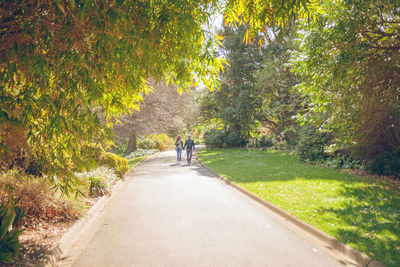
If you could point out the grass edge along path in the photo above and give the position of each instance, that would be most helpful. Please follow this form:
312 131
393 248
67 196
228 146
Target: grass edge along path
133 162
362 212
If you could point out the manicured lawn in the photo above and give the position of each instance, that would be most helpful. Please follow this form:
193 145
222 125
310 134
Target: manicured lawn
359 211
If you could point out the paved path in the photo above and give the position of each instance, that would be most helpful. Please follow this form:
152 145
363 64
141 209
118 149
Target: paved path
183 216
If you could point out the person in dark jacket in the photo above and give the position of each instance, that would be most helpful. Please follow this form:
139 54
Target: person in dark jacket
178 148
189 146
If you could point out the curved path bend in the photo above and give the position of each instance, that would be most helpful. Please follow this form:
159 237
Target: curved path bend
167 215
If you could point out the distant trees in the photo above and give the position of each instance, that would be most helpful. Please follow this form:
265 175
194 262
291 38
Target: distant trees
164 110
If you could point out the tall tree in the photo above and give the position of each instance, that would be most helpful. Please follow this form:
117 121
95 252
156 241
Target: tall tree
238 101
275 81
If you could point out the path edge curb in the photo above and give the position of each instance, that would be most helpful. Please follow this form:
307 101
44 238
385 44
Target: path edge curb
55 255
359 257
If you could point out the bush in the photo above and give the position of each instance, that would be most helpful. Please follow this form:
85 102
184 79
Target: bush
10 216
260 142
37 197
234 139
214 138
344 162
386 164
222 138
100 157
113 161
121 148
160 142
312 144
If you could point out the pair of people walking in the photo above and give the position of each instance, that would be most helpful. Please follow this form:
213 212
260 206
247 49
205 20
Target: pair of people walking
189 146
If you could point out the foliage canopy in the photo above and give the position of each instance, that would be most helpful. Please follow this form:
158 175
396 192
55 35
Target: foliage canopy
63 62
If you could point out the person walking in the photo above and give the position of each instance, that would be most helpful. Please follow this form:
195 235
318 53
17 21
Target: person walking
178 148
189 145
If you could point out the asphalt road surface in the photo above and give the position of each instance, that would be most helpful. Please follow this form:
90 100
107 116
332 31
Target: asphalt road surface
168 215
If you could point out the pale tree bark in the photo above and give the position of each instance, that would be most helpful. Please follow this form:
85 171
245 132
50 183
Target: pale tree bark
132 145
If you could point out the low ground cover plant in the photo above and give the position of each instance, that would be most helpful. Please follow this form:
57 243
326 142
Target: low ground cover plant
99 180
361 211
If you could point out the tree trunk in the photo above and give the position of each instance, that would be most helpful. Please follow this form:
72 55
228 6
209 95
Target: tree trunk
132 146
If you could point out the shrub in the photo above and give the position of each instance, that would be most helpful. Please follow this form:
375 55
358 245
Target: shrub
107 159
121 148
160 142
10 216
312 144
37 197
113 161
264 141
234 139
214 138
343 161
222 138
260 142
386 164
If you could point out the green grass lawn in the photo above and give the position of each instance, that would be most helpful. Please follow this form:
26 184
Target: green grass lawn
359 211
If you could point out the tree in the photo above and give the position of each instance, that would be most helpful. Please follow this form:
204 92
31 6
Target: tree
275 81
349 61
238 101
261 16
63 62
162 111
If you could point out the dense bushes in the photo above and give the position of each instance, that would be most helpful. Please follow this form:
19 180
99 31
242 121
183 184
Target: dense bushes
260 142
386 164
312 144
223 138
343 162
214 138
160 142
